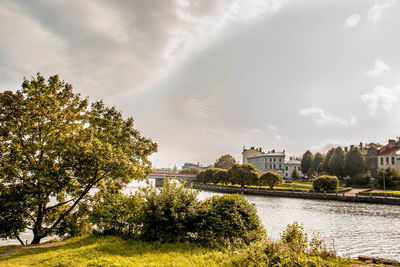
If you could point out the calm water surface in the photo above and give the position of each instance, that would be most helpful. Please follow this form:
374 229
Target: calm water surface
351 229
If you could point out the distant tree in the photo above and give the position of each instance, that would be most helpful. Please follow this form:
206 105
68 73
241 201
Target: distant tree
374 145
295 174
307 162
354 162
336 163
311 173
318 159
271 179
224 162
191 170
210 176
221 176
391 177
325 163
243 174
201 177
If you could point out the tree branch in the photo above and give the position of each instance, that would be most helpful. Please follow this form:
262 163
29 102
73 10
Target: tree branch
19 239
60 204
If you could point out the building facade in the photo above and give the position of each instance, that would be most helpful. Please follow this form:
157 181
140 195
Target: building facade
269 161
371 158
249 153
290 166
388 156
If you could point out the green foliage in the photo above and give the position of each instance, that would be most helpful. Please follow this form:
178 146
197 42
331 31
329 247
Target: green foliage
224 162
325 183
295 236
228 218
168 213
12 208
359 180
311 173
116 213
191 170
295 174
243 174
318 160
221 176
354 162
392 177
325 163
336 163
307 162
271 179
53 146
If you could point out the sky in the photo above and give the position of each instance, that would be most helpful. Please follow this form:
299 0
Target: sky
204 78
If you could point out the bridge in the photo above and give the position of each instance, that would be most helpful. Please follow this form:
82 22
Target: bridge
159 177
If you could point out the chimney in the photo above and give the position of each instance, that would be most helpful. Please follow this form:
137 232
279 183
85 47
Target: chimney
361 145
345 149
252 147
273 150
260 149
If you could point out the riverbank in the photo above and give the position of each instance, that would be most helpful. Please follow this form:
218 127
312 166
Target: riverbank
298 194
117 251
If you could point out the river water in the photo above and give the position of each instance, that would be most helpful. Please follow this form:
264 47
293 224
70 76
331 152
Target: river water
351 229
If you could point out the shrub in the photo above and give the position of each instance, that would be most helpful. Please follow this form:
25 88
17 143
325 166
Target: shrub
116 213
325 183
168 213
358 179
191 170
295 236
228 218
221 176
295 174
392 177
271 178
243 174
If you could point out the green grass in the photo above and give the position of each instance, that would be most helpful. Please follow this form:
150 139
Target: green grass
116 251
290 187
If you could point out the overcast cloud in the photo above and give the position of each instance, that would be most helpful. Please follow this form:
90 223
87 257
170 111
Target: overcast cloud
203 78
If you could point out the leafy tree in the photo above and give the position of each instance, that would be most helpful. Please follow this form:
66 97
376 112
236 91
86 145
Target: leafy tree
318 159
325 183
243 174
336 163
271 179
191 170
201 177
325 163
307 162
354 162
221 176
295 174
209 175
53 147
392 177
311 173
224 162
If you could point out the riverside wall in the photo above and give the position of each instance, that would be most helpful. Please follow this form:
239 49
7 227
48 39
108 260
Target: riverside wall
296 194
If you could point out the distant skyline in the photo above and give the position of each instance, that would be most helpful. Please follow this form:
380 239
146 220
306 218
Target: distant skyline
205 78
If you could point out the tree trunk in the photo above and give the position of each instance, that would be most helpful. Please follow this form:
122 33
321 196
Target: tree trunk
19 239
36 239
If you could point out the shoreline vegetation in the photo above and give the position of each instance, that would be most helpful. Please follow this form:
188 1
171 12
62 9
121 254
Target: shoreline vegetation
366 196
170 227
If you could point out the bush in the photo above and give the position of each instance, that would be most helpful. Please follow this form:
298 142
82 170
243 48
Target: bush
271 178
116 213
325 183
243 174
221 176
168 213
358 179
191 170
392 177
294 234
228 218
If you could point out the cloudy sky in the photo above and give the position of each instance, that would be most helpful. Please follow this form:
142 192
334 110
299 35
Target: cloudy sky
204 78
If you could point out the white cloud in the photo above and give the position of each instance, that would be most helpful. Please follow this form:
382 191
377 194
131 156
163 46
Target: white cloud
380 67
322 117
375 12
353 20
383 98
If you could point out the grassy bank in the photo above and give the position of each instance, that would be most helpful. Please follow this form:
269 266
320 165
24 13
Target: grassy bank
116 251
380 193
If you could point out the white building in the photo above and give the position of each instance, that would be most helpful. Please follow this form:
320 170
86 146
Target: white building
389 155
290 166
269 161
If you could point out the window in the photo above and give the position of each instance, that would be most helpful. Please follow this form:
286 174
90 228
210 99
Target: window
381 161
270 160
393 160
286 168
280 160
274 159
270 166
280 167
387 160
274 166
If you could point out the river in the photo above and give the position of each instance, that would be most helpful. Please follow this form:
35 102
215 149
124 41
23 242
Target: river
351 229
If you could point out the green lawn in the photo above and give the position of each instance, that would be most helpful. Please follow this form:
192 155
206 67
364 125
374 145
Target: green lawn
116 251
380 193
